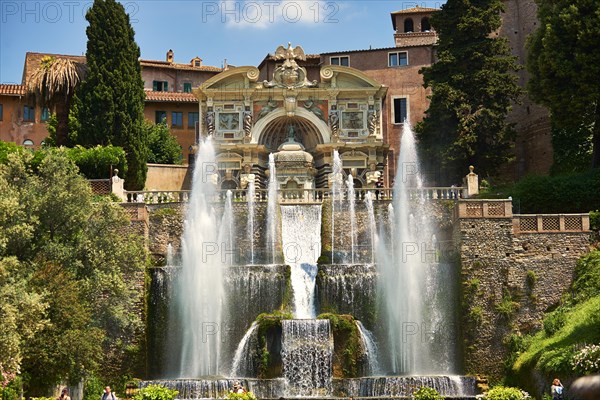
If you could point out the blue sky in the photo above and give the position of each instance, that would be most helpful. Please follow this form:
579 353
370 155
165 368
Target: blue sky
241 31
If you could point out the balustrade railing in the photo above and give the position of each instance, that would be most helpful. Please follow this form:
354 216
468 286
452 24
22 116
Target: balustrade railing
295 195
539 223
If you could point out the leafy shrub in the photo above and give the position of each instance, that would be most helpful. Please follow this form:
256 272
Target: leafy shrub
587 360
531 278
587 277
8 393
92 388
241 396
155 392
506 393
96 162
476 314
426 393
595 220
507 307
571 193
554 321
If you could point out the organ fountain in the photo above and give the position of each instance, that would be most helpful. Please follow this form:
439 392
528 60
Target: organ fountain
309 287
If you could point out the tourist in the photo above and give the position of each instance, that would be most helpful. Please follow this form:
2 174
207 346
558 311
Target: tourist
108 395
64 395
238 388
556 390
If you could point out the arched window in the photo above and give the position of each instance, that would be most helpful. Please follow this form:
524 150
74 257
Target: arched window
409 25
228 185
425 25
27 142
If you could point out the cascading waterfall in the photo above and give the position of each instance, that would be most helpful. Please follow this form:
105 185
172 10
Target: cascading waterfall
301 240
336 195
272 202
351 201
307 355
250 198
368 342
414 320
242 360
372 227
200 287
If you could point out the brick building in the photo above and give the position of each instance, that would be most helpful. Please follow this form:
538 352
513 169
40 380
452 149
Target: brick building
171 89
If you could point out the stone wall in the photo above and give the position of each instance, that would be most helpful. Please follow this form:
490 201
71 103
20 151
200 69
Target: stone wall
509 279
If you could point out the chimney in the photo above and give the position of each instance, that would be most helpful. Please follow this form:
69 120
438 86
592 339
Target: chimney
225 66
170 56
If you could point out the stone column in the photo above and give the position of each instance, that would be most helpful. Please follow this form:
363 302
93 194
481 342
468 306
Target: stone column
472 182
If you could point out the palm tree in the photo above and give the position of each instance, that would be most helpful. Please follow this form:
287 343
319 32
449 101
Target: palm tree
54 83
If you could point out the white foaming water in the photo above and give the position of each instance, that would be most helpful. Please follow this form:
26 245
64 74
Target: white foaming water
170 261
336 195
272 210
414 312
351 202
368 341
227 227
242 360
301 240
200 292
307 355
250 197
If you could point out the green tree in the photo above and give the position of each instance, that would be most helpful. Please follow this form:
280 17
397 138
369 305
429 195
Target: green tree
164 148
110 102
54 84
473 84
564 63
74 258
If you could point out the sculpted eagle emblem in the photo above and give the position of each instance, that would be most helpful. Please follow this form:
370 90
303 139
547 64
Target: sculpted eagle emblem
290 55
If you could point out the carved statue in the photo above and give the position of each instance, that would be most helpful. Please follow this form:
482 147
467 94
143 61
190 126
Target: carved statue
289 55
247 123
334 122
270 106
291 133
373 122
289 75
210 123
312 107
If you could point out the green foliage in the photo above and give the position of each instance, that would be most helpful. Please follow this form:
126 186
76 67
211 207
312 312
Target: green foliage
347 347
52 125
554 321
473 85
241 396
507 307
572 193
92 388
268 323
7 148
110 101
564 65
531 278
98 162
155 392
163 146
506 393
8 393
476 314
595 221
64 267
426 393
586 284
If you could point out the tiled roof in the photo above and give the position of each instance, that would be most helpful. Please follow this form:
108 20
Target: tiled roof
165 64
12 89
171 97
416 9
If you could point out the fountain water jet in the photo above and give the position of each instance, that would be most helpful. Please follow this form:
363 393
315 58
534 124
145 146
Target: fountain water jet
200 294
372 227
272 202
250 198
351 207
336 194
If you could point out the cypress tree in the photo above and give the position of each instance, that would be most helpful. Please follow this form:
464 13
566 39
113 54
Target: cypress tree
110 103
473 84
